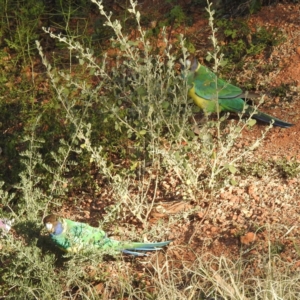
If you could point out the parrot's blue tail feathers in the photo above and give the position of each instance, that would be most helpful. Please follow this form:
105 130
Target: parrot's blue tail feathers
258 115
269 119
134 248
146 249
134 253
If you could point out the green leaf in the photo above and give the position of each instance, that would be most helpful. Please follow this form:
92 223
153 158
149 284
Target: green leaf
233 182
143 132
223 62
208 57
133 43
251 122
65 92
134 166
141 91
165 105
231 168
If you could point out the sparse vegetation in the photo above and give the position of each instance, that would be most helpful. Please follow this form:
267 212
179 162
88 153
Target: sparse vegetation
240 40
111 138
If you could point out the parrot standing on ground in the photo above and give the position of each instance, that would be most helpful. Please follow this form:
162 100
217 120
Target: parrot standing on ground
71 236
206 87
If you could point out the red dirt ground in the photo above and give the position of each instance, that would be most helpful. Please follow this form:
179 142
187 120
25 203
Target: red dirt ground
248 215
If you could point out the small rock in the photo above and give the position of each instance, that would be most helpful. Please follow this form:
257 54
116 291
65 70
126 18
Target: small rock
248 238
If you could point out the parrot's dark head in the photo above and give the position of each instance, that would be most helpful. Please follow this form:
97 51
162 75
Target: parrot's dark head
195 65
189 70
52 224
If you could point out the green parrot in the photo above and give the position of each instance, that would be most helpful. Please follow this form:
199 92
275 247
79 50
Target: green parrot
203 91
71 236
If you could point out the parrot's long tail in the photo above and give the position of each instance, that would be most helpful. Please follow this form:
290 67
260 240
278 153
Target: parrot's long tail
133 247
258 115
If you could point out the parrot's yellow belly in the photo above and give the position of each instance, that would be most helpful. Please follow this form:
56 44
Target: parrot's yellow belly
206 105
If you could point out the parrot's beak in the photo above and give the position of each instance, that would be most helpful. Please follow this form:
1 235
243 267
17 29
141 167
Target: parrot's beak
185 65
49 227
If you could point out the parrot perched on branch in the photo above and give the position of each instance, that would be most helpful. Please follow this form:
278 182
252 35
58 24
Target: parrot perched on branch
71 236
205 87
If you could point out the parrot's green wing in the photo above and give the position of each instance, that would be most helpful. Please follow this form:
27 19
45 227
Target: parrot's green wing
208 85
